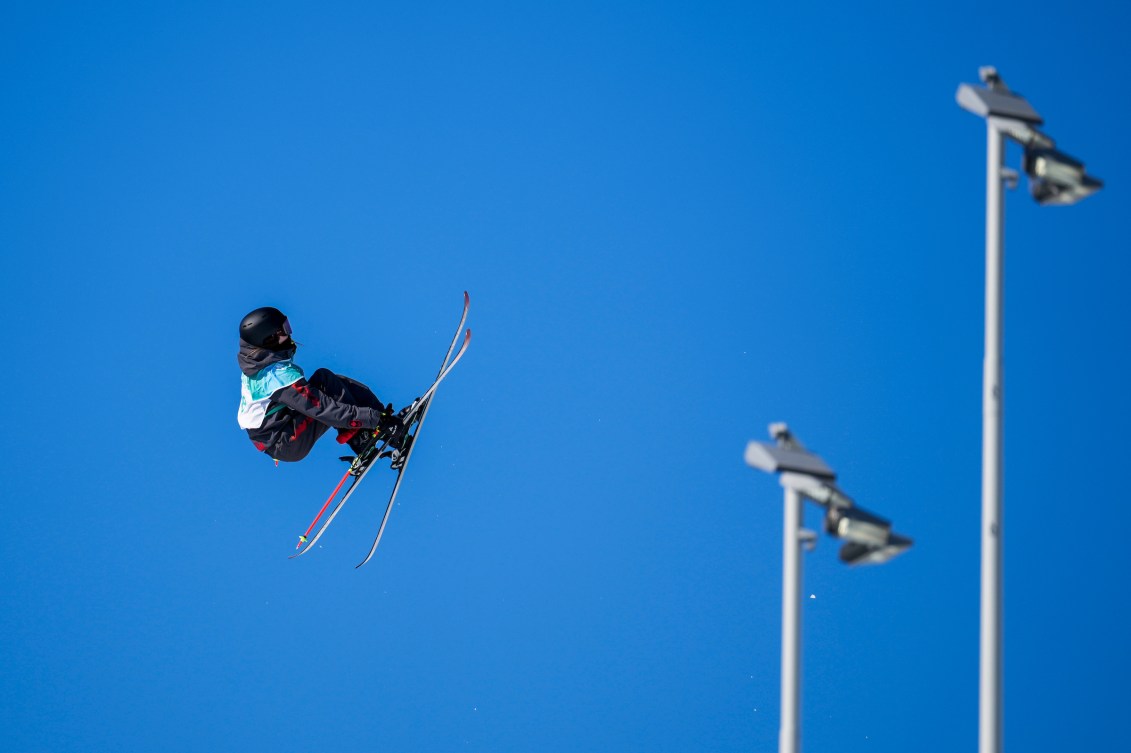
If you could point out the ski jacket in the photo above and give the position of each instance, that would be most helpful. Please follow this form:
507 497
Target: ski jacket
277 403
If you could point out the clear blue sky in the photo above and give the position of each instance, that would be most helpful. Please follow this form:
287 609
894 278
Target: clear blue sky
678 223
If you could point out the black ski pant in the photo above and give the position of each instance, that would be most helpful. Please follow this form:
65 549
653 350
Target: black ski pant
298 444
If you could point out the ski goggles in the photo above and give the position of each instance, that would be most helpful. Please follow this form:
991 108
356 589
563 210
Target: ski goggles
287 327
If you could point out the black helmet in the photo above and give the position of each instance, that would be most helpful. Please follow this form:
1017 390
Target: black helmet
261 325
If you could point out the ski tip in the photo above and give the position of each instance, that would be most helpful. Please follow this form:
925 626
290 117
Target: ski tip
466 298
467 336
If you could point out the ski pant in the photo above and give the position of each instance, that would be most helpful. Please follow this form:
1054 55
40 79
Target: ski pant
298 443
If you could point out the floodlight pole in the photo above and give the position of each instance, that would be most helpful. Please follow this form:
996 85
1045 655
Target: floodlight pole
1056 179
788 737
806 476
990 634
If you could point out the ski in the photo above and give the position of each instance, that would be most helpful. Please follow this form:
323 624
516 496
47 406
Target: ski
413 417
305 546
425 403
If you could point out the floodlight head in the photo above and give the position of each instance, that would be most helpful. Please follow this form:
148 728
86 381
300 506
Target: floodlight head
857 526
821 490
996 102
1025 134
853 553
774 459
1057 178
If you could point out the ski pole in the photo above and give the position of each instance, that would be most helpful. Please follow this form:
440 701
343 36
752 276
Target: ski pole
302 538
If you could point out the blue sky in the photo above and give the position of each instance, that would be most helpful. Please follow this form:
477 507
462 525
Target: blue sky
677 223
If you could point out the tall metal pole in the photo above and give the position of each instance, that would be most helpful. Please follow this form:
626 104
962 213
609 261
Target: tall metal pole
788 739
990 665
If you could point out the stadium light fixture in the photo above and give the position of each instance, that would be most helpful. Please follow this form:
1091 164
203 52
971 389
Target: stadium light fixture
868 540
1055 178
854 553
858 526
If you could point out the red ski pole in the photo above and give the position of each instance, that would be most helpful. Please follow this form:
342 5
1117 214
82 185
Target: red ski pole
302 538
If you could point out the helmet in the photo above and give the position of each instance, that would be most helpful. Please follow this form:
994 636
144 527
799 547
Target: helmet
261 325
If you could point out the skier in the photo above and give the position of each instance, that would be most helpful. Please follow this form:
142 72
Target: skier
284 412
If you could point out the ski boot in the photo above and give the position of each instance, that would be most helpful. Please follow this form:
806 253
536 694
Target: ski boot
400 440
390 436
363 443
